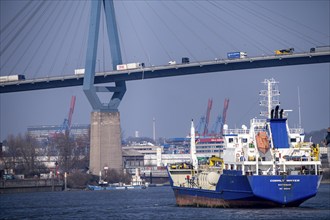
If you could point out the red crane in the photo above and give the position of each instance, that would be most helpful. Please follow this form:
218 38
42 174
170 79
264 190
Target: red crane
207 119
66 125
72 104
224 114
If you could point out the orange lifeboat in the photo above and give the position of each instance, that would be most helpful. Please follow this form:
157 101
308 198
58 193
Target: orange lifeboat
262 142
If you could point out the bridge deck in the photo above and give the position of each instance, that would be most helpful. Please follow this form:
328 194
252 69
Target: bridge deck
168 71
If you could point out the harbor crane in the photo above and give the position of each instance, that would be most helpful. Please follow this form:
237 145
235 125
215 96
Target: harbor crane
66 125
202 127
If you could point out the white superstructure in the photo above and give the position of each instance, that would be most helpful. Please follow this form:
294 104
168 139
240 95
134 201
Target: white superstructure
269 145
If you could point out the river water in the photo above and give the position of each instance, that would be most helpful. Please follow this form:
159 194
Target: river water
151 203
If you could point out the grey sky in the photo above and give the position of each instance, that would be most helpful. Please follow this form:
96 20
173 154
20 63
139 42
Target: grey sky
156 32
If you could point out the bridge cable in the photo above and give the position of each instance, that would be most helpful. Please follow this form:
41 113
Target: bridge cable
20 19
188 27
83 46
21 42
279 25
207 26
154 33
254 26
64 38
264 18
241 33
293 20
173 33
136 33
44 38
264 31
15 17
231 12
55 36
122 45
23 27
73 38
30 43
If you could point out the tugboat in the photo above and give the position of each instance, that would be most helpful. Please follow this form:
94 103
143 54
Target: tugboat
267 165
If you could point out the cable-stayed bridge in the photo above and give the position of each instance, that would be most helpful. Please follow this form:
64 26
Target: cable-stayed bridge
40 30
105 117
168 70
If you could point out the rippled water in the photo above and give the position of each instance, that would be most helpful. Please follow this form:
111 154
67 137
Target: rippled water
150 203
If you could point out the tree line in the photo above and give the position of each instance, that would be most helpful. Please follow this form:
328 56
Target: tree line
24 154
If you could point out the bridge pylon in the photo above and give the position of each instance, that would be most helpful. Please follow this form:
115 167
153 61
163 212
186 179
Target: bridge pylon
105 143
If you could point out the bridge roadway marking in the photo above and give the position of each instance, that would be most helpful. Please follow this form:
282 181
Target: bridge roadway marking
168 71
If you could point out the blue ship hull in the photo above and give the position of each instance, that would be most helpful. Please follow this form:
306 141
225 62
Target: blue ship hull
236 190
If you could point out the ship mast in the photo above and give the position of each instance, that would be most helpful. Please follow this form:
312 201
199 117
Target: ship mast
193 146
270 97
299 107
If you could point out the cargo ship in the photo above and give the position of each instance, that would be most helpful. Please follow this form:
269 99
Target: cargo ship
266 165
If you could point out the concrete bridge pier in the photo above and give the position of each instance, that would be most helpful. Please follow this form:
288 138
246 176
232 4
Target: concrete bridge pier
105 145
105 149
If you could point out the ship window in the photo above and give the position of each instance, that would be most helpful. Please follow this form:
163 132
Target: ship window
244 140
231 140
293 140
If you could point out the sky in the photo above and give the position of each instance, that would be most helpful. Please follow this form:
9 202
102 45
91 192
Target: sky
51 41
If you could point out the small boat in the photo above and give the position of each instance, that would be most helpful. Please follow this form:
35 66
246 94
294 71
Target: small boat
136 183
267 165
115 187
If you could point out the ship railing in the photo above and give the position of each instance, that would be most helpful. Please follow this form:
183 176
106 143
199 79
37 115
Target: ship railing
258 129
258 121
235 131
312 167
296 130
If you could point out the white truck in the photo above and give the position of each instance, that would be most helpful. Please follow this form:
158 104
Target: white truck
11 78
130 66
79 71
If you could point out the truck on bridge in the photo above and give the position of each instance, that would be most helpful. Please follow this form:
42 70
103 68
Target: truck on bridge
320 49
284 51
236 55
130 66
79 71
11 78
